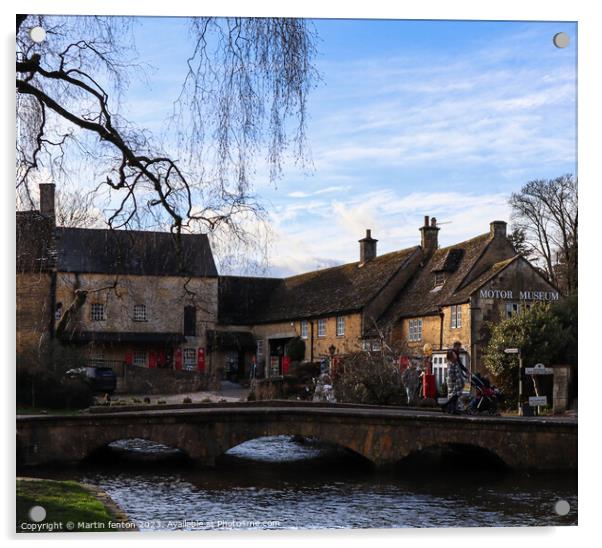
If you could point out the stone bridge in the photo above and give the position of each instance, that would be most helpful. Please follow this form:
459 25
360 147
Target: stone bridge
381 435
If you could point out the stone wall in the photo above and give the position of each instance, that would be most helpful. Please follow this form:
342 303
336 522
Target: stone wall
142 381
33 311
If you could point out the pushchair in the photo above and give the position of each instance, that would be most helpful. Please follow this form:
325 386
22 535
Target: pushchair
486 399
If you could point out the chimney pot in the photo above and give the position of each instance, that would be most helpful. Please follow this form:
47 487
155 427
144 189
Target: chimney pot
429 240
367 247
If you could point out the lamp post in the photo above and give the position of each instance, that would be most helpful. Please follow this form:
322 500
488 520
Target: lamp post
520 376
332 350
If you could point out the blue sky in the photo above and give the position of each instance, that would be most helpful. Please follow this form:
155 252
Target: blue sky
412 118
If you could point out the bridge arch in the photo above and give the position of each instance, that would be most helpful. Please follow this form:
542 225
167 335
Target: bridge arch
354 454
451 454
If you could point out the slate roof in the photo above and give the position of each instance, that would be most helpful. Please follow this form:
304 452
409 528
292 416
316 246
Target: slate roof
133 252
463 294
336 290
420 297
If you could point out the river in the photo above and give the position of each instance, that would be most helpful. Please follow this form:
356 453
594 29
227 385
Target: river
280 483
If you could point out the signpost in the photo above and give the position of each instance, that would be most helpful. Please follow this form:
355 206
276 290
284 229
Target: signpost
539 369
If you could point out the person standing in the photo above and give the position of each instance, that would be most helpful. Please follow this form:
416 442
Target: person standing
411 381
455 381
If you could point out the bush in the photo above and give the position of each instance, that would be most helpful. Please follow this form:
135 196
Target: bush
542 338
370 378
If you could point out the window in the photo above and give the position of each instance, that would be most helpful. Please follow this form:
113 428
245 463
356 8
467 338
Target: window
190 321
140 358
415 330
366 346
97 312
139 312
439 278
58 311
322 327
190 359
340 326
456 316
376 346
512 309
304 329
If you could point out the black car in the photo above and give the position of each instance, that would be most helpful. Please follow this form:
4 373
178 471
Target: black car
102 379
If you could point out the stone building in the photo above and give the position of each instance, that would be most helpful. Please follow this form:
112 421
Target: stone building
407 298
124 297
141 299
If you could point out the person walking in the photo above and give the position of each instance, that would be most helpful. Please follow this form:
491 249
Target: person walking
455 381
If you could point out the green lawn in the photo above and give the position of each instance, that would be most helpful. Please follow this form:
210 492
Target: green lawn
65 502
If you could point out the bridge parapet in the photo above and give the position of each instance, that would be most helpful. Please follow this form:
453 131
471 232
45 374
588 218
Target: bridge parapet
382 435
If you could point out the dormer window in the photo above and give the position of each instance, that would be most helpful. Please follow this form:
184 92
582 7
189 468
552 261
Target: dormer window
439 279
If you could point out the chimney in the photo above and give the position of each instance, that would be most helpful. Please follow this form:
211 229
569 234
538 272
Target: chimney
367 247
497 229
47 199
429 235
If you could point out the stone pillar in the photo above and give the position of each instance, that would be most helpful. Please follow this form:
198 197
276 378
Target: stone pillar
560 391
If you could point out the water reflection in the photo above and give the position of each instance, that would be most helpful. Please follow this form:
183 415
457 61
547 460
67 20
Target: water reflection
280 483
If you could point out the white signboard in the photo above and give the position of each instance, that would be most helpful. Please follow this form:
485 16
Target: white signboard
538 400
539 369
511 351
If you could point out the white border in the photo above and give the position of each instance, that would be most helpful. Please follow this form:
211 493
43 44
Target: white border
589 174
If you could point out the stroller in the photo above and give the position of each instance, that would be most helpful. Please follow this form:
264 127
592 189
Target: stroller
486 399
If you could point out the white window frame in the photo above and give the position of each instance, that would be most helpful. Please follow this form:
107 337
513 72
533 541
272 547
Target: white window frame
439 278
97 312
259 349
58 311
456 316
140 358
340 326
415 330
376 347
512 309
189 359
366 346
140 313
322 327
304 329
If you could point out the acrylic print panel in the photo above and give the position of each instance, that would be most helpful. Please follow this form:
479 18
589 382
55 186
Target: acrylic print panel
290 274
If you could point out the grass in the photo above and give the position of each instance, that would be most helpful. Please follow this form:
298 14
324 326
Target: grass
64 501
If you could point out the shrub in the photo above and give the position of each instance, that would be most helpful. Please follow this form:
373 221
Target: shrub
368 377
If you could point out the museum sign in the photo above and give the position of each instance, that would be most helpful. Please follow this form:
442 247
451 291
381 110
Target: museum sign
509 294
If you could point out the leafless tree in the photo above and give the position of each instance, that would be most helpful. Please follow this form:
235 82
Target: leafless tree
546 213
75 207
245 91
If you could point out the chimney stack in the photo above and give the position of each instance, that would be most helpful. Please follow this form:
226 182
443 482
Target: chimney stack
367 247
47 199
497 229
429 235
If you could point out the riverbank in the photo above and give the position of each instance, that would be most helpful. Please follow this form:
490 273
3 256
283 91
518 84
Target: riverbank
46 506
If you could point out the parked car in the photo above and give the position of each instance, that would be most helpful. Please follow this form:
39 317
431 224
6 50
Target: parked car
101 379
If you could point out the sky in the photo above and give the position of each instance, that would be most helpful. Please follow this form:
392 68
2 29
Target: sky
411 118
